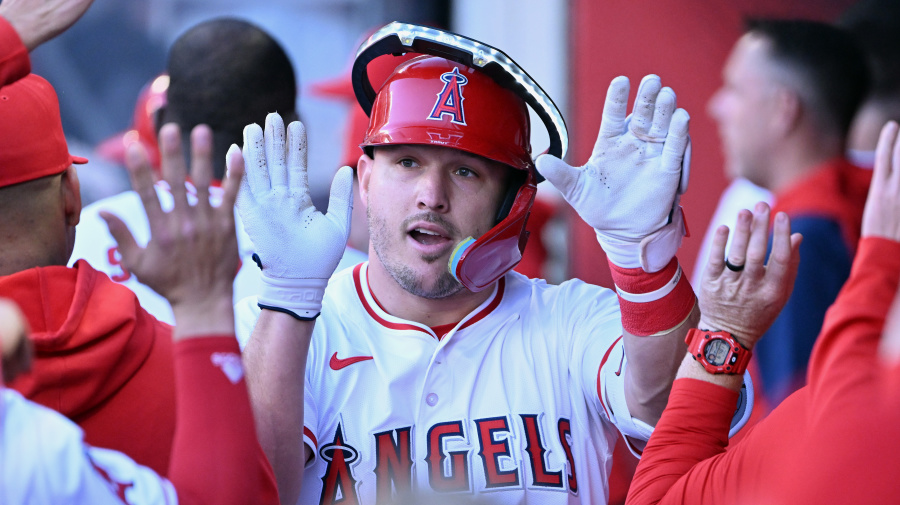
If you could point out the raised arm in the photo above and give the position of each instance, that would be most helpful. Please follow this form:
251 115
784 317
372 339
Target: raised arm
298 249
629 192
37 21
191 259
851 332
743 302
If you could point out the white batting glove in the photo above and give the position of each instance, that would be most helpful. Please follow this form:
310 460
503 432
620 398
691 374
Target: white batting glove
630 188
298 246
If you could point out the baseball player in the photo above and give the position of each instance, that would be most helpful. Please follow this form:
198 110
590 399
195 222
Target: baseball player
239 56
433 368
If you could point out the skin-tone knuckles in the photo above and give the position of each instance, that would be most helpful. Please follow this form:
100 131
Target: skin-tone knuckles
747 301
192 254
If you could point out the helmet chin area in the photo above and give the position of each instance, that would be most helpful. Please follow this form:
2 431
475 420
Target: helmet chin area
477 264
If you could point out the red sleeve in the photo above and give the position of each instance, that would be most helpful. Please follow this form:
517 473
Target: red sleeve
215 455
693 429
14 61
852 328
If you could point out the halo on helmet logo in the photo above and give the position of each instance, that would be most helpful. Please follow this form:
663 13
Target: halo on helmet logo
450 100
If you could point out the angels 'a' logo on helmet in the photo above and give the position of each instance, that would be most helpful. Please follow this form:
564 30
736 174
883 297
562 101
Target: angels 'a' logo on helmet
450 99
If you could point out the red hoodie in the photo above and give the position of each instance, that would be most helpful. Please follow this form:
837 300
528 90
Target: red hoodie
100 359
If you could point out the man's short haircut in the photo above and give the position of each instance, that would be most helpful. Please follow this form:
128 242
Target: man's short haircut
876 26
831 74
228 73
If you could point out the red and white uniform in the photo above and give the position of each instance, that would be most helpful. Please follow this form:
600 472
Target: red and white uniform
94 243
505 405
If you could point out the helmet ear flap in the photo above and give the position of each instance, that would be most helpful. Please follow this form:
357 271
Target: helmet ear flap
516 179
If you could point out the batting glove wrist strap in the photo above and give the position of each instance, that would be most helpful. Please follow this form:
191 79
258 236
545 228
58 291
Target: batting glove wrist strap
653 252
653 303
302 298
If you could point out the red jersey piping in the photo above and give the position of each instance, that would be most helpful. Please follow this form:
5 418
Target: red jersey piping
373 313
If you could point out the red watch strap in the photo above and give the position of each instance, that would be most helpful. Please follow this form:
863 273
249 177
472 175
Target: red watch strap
736 360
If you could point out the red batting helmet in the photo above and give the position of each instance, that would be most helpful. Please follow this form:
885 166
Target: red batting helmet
473 98
430 100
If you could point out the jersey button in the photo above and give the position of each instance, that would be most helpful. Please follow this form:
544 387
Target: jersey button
431 399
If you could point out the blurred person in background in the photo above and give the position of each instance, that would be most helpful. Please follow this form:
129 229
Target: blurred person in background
225 73
791 89
876 26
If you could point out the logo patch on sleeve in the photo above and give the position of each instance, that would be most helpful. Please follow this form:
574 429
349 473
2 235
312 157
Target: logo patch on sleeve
231 365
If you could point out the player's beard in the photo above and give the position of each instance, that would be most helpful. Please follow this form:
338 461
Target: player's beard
379 234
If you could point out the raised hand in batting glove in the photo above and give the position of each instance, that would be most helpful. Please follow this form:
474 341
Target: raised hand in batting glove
298 246
630 188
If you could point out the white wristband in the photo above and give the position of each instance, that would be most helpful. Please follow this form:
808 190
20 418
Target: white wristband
302 297
653 295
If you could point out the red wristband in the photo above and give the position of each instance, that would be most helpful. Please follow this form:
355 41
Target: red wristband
652 303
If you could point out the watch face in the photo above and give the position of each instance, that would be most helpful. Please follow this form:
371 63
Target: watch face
716 352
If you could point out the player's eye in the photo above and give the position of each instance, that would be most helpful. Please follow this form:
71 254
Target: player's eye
407 163
465 172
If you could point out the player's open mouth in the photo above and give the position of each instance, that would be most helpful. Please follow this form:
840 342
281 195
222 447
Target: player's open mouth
427 237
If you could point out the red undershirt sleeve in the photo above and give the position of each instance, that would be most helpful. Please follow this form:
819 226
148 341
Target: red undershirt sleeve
693 428
852 329
14 61
215 455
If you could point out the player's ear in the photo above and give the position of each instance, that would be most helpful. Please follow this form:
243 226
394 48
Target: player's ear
363 174
788 110
72 196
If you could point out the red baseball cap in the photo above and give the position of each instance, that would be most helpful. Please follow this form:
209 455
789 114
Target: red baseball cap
32 143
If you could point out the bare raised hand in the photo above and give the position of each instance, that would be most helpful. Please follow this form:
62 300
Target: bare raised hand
743 294
881 217
192 255
37 21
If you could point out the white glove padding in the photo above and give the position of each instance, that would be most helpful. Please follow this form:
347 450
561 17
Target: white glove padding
629 188
298 246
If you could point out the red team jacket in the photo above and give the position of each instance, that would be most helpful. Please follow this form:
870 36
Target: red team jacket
100 359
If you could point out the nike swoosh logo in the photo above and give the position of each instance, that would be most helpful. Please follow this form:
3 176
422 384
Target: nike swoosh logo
338 363
618 372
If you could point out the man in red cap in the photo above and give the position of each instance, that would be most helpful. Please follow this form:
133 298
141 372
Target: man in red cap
100 359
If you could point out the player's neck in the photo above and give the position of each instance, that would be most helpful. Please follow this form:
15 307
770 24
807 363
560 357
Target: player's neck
431 312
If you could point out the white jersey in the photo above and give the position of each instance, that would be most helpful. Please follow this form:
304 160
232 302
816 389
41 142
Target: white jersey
94 243
43 459
510 405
